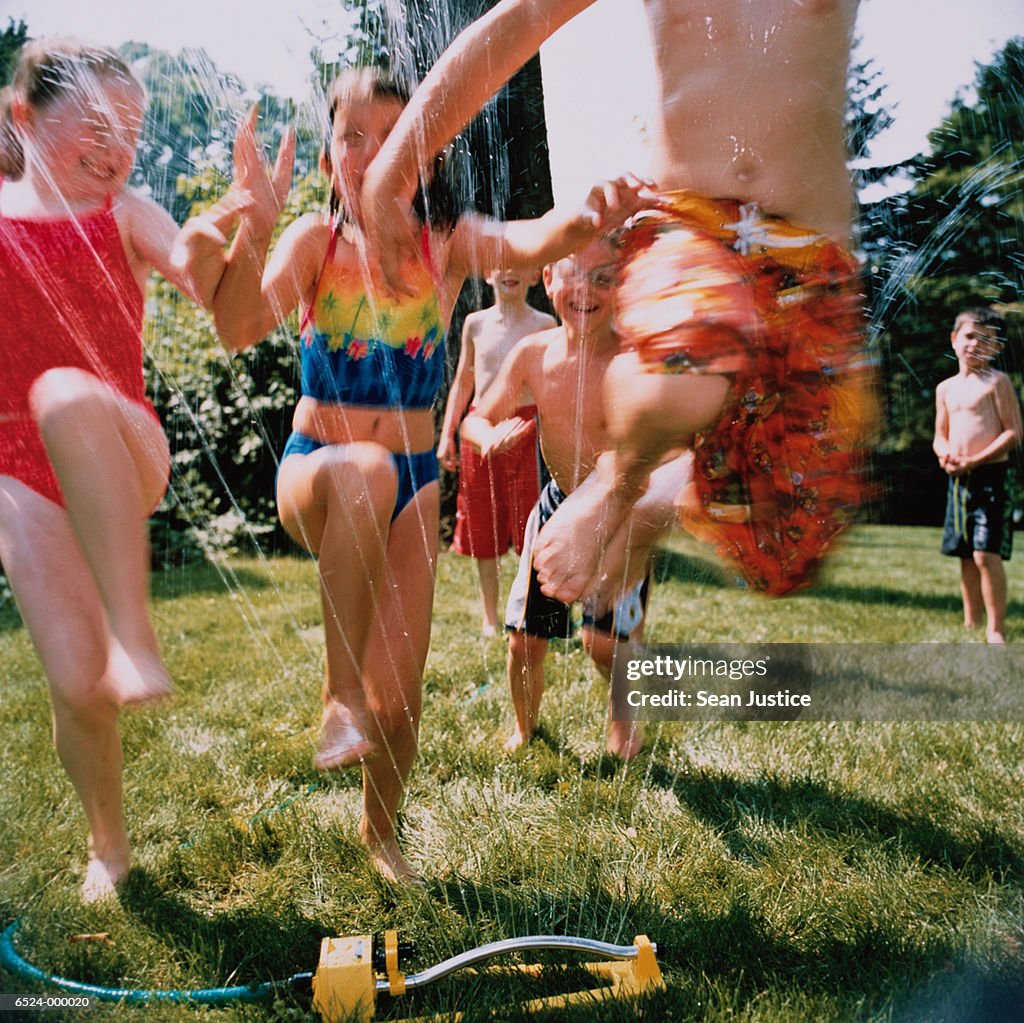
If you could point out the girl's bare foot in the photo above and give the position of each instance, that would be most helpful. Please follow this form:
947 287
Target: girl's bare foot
517 740
995 637
625 738
387 859
342 740
137 675
103 874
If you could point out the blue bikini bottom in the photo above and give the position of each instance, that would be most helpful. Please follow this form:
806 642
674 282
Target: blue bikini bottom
415 470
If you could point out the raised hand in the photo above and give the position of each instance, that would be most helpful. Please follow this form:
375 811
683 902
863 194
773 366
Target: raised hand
611 203
267 188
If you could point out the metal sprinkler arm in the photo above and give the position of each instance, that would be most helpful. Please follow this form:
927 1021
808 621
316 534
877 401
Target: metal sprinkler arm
526 943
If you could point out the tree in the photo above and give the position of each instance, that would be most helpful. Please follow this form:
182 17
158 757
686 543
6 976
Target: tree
954 239
12 39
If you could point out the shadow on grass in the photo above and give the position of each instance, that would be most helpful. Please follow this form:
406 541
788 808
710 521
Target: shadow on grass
888 597
206 578
725 802
172 584
677 567
254 944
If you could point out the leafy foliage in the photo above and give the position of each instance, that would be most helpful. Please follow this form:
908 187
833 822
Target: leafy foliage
953 240
12 39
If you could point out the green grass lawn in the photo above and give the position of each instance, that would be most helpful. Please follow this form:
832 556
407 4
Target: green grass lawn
798 871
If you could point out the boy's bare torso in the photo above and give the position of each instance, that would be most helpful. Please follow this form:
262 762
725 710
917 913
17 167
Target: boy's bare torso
753 100
567 379
494 334
974 419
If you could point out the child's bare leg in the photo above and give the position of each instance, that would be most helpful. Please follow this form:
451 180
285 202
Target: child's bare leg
993 594
526 680
395 659
648 415
112 461
625 739
970 590
337 503
62 611
488 569
627 557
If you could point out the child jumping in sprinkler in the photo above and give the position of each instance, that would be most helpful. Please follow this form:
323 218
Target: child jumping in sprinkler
83 458
739 301
357 485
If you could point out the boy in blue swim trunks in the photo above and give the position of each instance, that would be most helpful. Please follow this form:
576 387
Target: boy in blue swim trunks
564 369
977 425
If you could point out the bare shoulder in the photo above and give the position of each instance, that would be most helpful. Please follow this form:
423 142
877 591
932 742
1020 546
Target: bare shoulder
310 229
542 320
1003 385
303 243
475 320
135 213
534 348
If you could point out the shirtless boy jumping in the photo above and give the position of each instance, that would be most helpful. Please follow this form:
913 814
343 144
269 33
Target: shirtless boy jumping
739 307
977 425
496 493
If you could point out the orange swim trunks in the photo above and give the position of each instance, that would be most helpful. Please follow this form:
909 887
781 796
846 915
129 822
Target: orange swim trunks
718 287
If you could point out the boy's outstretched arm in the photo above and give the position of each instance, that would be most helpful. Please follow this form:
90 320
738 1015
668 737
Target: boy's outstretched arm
480 60
479 241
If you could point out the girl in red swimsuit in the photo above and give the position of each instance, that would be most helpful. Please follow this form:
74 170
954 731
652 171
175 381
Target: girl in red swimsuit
83 459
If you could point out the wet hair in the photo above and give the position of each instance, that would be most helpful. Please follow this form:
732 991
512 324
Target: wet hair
47 70
434 202
983 316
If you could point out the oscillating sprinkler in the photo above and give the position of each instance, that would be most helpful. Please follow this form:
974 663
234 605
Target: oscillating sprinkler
353 971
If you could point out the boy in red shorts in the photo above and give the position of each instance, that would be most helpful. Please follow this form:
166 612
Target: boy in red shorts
497 492
739 308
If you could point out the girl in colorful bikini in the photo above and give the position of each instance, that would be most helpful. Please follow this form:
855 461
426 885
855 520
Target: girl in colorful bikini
83 459
357 484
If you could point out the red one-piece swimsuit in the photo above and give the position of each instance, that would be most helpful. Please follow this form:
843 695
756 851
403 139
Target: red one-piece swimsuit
68 299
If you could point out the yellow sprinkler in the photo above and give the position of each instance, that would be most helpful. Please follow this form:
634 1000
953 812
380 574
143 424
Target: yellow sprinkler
354 970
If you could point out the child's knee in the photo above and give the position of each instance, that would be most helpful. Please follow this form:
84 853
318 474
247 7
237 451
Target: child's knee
640 400
987 562
64 393
526 649
81 697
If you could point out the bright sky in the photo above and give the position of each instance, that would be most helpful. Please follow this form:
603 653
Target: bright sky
598 80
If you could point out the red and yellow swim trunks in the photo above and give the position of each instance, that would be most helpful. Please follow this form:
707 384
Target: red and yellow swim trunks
718 287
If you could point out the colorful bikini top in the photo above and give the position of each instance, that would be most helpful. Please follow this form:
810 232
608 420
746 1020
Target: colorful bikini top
69 299
358 348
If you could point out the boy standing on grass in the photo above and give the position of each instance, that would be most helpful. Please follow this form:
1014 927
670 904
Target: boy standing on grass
496 493
977 425
564 369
